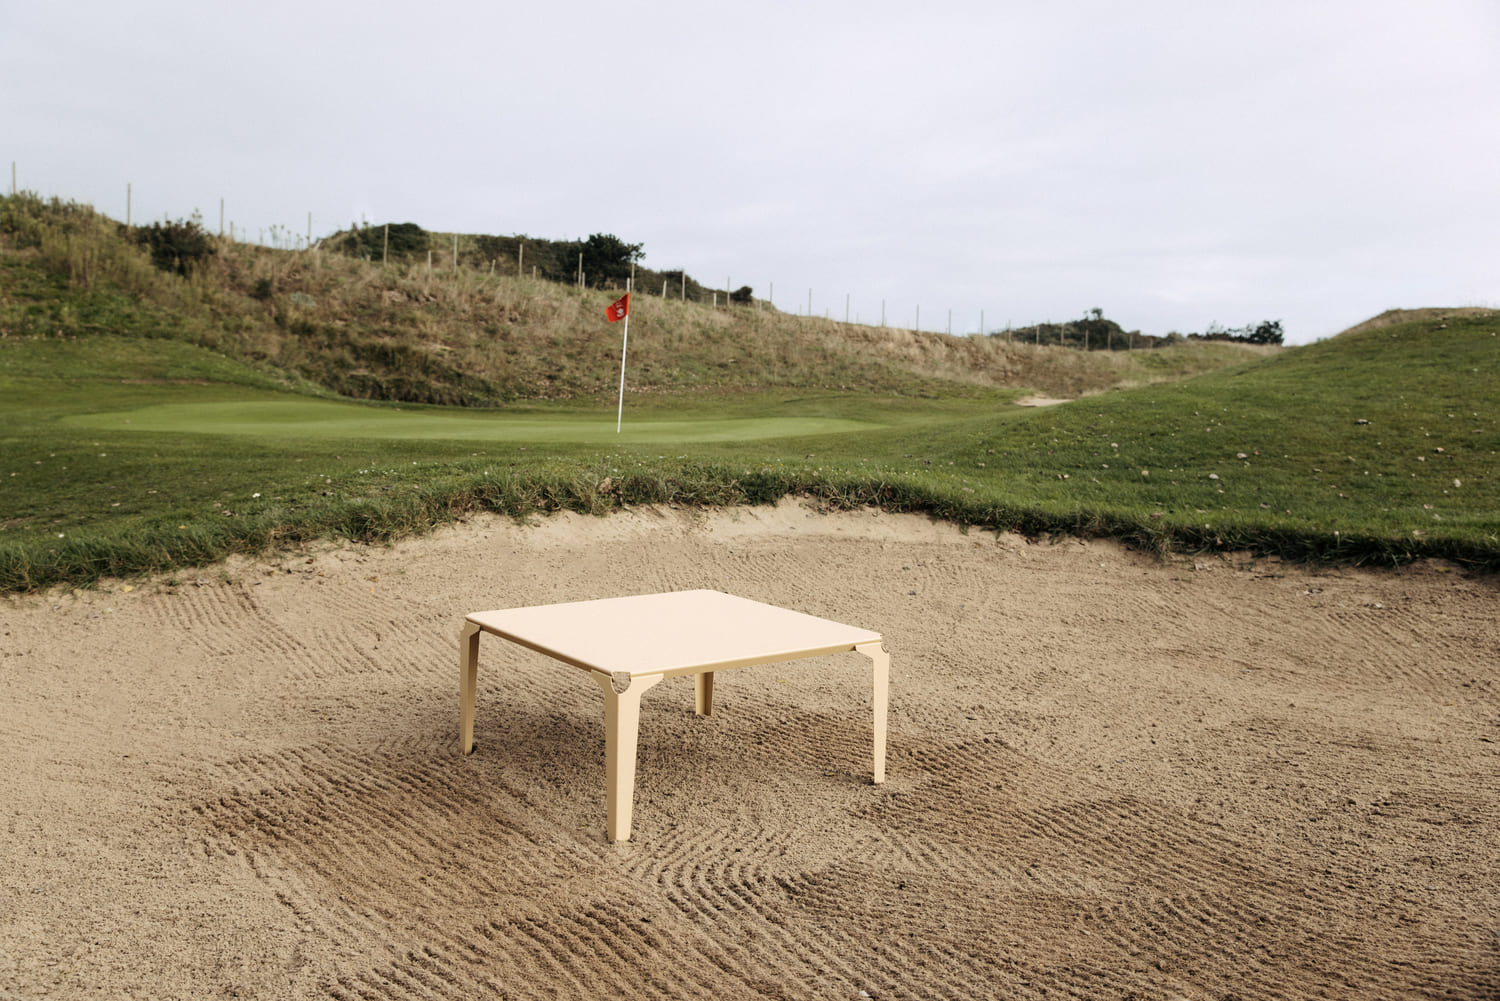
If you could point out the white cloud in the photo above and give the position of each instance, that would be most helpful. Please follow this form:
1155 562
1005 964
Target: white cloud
1175 164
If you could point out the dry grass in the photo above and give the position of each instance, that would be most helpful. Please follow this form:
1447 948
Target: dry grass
477 337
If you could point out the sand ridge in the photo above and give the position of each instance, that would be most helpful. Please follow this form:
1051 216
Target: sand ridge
1109 776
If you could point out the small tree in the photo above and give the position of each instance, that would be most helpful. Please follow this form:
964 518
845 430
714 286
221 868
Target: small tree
1267 332
176 246
607 259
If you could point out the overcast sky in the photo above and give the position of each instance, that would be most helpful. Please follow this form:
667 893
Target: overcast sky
1174 164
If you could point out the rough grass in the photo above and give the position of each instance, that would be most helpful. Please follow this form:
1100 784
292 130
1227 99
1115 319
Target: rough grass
467 337
1375 447
1378 446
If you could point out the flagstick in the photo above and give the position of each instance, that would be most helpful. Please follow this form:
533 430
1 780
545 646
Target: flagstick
624 346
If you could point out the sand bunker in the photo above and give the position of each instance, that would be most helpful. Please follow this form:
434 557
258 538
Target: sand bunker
1109 777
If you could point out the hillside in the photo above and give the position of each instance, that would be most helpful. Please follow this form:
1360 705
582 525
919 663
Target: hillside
469 335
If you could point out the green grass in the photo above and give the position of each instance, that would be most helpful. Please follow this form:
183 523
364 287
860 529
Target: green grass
1376 447
466 337
315 419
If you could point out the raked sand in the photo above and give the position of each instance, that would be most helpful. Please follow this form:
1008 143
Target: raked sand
1109 776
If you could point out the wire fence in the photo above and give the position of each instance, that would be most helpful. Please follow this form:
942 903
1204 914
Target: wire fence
508 255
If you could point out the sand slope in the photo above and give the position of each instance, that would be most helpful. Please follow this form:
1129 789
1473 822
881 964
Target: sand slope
1109 777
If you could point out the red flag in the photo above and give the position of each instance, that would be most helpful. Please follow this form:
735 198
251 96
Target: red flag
619 309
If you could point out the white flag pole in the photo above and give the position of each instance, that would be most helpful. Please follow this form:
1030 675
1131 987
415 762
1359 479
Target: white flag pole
624 346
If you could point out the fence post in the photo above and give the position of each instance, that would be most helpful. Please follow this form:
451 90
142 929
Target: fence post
385 244
127 204
846 307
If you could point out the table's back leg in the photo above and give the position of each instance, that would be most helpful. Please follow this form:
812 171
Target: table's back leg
622 727
468 683
880 661
703 693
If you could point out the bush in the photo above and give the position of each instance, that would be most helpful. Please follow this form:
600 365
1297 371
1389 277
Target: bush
1268 332
395 240
176 246
607 259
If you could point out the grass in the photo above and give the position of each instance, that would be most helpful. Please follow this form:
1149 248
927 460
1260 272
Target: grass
317 419
149 420
1375 447
466 337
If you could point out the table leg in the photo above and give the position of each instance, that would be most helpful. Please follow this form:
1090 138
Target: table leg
703 693
468 682
880 660
622 727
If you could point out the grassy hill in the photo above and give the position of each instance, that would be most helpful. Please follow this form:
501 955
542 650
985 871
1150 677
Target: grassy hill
321 319
151 421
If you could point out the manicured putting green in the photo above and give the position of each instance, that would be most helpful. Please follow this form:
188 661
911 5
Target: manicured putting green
322 419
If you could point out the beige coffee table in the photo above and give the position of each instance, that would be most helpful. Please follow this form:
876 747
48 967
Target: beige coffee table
629 644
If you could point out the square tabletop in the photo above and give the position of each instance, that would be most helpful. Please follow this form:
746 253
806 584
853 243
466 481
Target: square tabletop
679 632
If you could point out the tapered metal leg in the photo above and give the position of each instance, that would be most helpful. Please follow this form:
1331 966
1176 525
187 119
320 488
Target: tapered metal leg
622 727
468 683
880 661
703 693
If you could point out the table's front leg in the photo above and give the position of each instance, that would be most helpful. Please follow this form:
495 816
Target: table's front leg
880 661
622 727
703 693
468 683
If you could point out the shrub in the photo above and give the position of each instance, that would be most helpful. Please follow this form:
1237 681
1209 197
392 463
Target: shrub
176 246
1268 332
607 259
395 240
